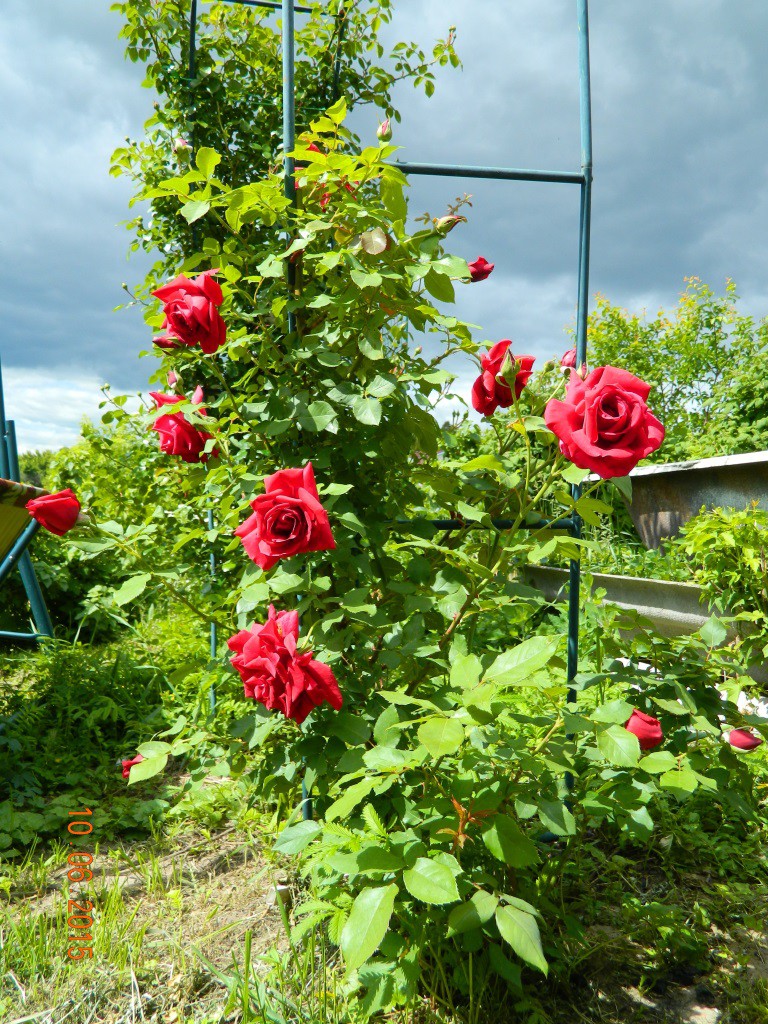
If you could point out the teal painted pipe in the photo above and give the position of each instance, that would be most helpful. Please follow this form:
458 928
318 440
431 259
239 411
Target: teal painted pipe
40 616
499 173
289 133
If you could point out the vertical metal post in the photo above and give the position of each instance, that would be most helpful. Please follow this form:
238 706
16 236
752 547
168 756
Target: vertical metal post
585 212
289 134
191 72
40 616
341 19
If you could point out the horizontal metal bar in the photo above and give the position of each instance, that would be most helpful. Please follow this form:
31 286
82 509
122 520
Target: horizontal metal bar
270 4
550 524
22 636
500 524
502 173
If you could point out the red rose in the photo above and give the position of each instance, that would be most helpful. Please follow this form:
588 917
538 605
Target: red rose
177 435
191 312
127 765
57 512
744 739
274 674
604 424
646 728
480 269
569 359
491 389
287 519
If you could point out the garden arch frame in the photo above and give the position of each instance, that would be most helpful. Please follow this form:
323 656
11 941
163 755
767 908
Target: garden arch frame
582 178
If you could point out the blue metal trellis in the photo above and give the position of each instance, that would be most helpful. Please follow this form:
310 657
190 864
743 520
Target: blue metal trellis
582 178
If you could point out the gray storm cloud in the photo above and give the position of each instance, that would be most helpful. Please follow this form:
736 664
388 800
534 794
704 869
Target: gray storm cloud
680 169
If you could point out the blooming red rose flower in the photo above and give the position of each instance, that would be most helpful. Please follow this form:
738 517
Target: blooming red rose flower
480 269
744 739
127 765
646 728
604 424
275 674
191 313
177 435
492 388
287 519
57 512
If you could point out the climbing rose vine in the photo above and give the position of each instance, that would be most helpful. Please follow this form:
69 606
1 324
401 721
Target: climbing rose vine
377 629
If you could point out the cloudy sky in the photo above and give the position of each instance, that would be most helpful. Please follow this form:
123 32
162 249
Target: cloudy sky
680 147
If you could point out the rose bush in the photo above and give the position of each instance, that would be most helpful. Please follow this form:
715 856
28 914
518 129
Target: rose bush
440 778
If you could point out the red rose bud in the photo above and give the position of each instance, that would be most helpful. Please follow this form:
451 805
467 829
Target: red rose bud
492 388
604 424
480 269
180 145
646 728
275 674
287 519
384 132
172 378
57 513
191 313
569 359
127 765
744 739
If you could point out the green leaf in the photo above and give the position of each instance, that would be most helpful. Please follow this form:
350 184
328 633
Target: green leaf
380 387
393 199
338 111
573 475
659 761
713 632
506 842
367 410
439 286
441 736
472 914
615 712
431 882
619 746
490 462
623 485
132 588
466 671
366 280
521 931
554 815
206 160
194 210
679 782
318 416
154 748
293 840
350 798
147 768
367 925
522 661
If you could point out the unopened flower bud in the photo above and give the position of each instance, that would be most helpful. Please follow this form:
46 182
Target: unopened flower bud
384 133
447 223
182 148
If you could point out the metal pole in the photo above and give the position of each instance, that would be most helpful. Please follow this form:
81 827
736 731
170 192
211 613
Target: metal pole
40 616
490 173
289 134
191 71
585 211
341 18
